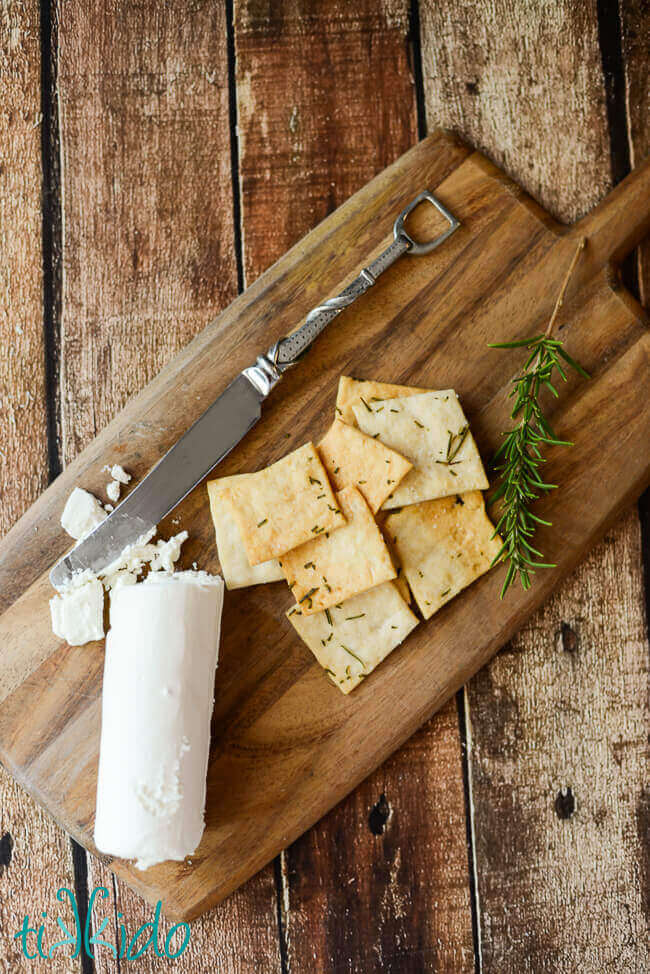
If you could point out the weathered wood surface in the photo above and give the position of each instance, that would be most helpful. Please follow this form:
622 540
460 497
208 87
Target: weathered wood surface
35 855
149 258
403 829
635 44
559 720
275 718
382 882
551 113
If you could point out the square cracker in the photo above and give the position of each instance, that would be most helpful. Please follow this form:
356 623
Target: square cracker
336 566
429 429
400 580
352 392
350 641
284 505
352 458
237 570
443 545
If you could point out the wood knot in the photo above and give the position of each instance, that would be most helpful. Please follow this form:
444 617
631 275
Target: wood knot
565 803
379 815
568 638
6 850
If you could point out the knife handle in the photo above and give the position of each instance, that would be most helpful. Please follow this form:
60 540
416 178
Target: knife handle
288 351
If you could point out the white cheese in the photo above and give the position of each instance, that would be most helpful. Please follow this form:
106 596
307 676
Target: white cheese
168 553
131 561
161 556
193 577
161 655
119 473
78 612
113 491
81 514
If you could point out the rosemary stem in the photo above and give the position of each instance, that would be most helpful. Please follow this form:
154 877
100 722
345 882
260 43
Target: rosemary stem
518 461
560 298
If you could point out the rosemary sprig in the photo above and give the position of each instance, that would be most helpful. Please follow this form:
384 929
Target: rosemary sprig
518 460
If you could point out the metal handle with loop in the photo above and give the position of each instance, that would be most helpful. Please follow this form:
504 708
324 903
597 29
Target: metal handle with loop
288 351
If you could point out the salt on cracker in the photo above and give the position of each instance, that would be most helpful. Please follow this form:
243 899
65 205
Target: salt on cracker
443 546
351 640
354 392
352 458
237 570
340 564
284 505
429 429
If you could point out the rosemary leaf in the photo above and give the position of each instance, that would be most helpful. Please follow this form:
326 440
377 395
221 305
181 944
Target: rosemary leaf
518 459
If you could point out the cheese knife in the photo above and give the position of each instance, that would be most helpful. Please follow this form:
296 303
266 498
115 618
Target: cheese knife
231 416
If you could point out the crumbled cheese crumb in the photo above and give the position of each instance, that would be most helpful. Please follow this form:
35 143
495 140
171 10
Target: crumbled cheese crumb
130 562
168 553
78 612
161 557
78 609
113 491
81 514
119 473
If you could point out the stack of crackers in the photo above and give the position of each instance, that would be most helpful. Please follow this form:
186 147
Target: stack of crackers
386 509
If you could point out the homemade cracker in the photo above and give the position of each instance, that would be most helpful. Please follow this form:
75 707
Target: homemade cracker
443 546
429 429
284 505
400 580
402 586
237 570
353 392
351 640
336 566
352 458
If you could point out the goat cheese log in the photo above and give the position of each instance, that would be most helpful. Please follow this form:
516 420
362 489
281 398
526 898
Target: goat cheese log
161 656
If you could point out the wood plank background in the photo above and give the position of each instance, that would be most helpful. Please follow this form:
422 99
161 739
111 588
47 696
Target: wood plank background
157 158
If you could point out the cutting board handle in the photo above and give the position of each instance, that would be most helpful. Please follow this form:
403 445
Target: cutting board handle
618 224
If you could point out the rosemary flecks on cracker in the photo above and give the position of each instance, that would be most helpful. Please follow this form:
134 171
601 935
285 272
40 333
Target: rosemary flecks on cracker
518 459
354 656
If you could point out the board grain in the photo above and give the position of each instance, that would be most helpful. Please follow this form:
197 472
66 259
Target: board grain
532 709
292 176
140 87
286 747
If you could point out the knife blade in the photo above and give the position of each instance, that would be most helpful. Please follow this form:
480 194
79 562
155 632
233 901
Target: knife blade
201 448
230 417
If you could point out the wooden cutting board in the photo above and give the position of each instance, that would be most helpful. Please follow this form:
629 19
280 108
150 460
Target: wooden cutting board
287 745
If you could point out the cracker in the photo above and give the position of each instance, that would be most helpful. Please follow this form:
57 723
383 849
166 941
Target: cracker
352 458
237 570
443 546
353 392
336 566
284 505
429 429
350 641
402 586
400 580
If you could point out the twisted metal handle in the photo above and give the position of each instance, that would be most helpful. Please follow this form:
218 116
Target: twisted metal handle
288 351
